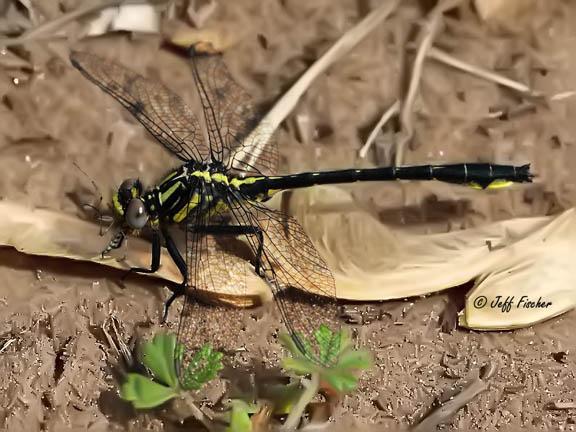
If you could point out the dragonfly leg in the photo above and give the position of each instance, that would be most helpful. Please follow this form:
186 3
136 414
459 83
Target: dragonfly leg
115 243
239 230
181 264
258 263
155 265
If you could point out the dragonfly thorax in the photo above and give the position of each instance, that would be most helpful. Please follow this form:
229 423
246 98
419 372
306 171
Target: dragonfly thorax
192 188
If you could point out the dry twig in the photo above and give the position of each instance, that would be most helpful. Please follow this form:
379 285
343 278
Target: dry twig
447 410
428 33
447 59
562 405
390 112
259 137
47 29
444 57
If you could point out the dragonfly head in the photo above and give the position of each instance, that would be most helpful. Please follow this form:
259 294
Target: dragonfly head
129 206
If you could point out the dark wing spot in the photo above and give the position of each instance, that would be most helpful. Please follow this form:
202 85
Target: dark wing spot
137 107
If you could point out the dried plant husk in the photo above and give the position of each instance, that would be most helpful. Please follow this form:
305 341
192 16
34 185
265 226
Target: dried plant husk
503 10
49 233
514 258
534 276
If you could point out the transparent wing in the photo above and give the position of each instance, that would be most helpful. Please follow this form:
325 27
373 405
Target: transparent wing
301 281
231 115
163 113
214 264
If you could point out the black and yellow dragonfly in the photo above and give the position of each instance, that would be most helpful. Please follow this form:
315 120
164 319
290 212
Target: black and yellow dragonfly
218 194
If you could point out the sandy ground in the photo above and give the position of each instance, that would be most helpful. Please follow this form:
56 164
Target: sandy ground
58 318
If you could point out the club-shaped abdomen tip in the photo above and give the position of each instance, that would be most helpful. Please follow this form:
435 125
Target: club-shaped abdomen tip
526 174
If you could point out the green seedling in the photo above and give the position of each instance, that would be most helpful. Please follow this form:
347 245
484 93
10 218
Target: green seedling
160 357
239 416
282 396
335 368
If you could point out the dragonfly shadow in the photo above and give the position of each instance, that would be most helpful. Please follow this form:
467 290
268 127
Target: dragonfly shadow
253 381
432 210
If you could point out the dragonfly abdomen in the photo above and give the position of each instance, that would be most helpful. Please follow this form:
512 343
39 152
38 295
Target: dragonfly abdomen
475 175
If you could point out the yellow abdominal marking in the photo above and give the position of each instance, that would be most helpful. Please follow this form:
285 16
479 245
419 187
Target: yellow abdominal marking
220 178
237 182
181 215
496 184
271 192
203 175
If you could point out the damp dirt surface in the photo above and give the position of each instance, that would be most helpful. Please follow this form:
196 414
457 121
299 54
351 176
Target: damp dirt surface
62 323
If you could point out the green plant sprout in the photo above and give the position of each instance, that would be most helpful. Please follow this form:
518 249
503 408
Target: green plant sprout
239 416
160 356
336 371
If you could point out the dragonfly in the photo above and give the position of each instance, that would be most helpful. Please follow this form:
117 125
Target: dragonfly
218 195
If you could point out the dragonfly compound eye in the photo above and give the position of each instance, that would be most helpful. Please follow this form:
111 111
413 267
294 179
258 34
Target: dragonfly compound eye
131 188
136 215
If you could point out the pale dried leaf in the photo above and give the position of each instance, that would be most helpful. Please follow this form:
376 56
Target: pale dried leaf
372 263
532 281
144 18
502 10
48 233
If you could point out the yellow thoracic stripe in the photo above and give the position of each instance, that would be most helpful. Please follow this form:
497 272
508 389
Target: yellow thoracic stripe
169 176
117 205
165 195
181 215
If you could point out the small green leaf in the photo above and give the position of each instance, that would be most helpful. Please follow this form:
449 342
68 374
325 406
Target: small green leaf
336 360
300 366
341 382
329 343
203 367
145 393
291 343
159 357
352 359
239 419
